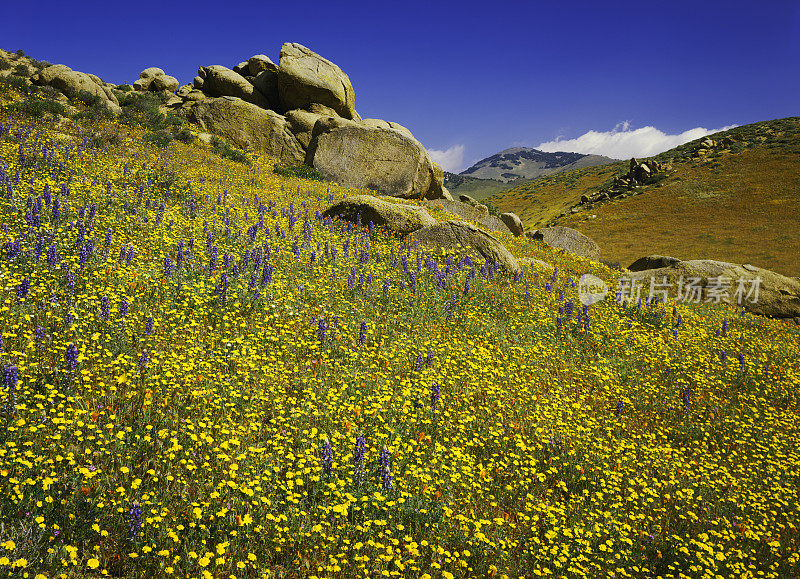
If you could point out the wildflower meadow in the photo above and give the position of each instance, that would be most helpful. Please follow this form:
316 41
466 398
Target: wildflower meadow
202 377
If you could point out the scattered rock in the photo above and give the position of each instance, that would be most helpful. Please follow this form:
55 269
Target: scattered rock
455 235
266 82
249 127
259 63
219 81
396 217
652 262
513 222
569 240
164 82
778 295
304 77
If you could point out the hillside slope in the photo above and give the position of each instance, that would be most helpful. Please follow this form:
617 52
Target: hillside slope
736 203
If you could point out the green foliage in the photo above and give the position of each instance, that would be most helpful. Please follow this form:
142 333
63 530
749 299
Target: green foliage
222 148
4 63
87 98
22 70
12 82
302 171
492 209
184 135
36 107
160 138
20 53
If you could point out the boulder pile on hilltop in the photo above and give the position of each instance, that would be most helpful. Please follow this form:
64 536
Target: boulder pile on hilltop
302 110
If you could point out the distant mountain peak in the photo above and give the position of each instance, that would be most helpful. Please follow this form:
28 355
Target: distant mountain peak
528 163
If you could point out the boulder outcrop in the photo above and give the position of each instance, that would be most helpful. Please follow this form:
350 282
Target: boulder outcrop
459 235
397 217
569 240
759 291
249 127
71 82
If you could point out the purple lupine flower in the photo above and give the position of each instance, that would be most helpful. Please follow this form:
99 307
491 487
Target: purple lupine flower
123 307
435 394
725 327
24 287
385 469
167 266
105 307
418 403
52 256
321 330
358 460
326 455
135 523
39 336
741 361
419 362
686 396
143 360
429 359
222 288
148 326
362 334
10 381
559 323
618 410
71 357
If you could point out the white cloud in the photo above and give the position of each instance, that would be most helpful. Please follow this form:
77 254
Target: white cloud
451 160
623 143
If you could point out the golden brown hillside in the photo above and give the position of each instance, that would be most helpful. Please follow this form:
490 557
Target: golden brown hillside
739 202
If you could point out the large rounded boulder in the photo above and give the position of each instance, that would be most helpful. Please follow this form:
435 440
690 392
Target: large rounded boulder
304 77
384 160
759 291
569 240
397 217
71 82
249 127
459 235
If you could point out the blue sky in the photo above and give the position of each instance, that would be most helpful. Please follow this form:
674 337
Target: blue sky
470 79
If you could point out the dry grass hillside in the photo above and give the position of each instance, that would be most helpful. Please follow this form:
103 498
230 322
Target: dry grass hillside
739 203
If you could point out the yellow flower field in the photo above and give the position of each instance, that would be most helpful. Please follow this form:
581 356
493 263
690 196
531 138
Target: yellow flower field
203 378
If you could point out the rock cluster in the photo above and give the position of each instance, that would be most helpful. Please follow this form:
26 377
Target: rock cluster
154 79
302 110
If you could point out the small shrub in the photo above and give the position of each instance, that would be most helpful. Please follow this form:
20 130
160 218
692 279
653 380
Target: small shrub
159 139
37 107
39 64
4 64
184 135
12 82
22 70
302 171
124 88
87 98
223 149
20 53
49 92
